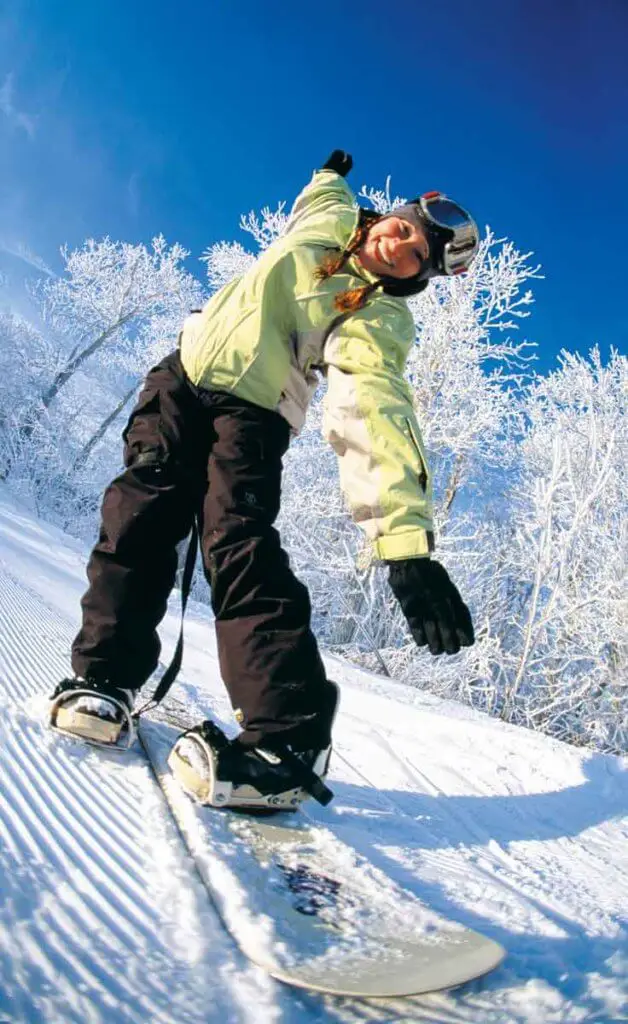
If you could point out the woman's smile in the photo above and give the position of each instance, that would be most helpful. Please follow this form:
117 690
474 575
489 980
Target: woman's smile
394 247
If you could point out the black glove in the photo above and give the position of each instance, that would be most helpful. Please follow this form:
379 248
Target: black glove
340 162
436 613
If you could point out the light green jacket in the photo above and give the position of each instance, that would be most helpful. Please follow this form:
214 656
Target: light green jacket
264 335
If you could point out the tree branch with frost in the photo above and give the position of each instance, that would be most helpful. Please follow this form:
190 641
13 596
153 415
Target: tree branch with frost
101 315
110 287
268 228
495 279
225 261
381 199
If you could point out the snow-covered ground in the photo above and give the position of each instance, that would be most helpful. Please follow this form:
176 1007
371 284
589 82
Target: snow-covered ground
102 918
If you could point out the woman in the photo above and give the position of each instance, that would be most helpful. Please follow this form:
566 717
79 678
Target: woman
206 439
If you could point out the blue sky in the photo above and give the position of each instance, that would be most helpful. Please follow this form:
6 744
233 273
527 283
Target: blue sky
129 119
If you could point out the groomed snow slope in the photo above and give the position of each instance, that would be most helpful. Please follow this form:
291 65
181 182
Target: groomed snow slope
103 919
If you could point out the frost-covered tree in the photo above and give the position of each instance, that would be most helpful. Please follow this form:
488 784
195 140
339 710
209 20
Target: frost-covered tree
113 312
28 360
565 663
108 306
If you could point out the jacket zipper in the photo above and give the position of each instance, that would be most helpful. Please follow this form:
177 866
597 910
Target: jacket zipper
417 447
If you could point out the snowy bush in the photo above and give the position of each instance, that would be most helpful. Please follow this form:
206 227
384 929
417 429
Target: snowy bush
566 637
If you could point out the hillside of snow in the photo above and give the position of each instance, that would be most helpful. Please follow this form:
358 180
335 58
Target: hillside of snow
103 919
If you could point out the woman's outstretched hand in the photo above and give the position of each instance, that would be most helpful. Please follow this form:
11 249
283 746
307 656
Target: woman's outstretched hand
436 614
340 162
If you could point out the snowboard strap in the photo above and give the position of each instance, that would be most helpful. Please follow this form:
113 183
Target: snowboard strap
306 778
172 671
214 739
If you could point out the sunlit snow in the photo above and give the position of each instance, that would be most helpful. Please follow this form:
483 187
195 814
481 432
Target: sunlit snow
102 917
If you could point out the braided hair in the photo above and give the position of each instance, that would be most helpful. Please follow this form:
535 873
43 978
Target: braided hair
354 298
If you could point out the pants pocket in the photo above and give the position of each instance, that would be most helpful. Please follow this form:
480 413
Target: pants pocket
143 432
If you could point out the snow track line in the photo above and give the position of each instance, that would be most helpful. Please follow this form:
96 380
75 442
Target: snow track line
383 799
522 874
89 855
573 849
493 849
92 908
435 791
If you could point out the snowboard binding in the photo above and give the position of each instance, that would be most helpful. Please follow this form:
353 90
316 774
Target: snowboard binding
222 773
100 715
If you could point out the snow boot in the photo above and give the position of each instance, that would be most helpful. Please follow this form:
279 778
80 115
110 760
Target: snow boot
97 712
223 773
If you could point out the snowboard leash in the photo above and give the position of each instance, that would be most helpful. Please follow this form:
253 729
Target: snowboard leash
303 776
172 671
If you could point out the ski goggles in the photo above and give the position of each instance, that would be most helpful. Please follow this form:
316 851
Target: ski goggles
454 236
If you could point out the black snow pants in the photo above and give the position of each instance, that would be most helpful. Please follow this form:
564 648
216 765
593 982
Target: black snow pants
191 452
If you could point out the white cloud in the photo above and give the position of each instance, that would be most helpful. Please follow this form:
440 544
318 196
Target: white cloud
133 193
22 252
16 117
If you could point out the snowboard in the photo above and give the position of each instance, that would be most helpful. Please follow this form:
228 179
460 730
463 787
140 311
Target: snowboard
301 904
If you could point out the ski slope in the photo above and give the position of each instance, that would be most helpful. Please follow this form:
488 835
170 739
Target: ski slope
102 917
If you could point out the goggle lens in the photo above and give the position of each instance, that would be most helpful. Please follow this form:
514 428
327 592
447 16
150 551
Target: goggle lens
447 214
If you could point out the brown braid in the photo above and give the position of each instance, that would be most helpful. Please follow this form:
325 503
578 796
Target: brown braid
354 298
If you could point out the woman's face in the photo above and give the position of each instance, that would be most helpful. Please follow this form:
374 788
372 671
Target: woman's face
394 247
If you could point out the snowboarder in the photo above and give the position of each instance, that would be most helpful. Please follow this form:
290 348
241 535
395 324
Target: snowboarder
205 441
